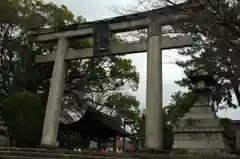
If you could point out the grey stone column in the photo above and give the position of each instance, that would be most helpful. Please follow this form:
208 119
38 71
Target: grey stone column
52 116
153 134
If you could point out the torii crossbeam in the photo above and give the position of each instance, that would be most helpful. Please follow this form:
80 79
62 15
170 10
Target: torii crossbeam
152 20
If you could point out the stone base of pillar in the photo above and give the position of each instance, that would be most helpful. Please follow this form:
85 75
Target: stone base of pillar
200 131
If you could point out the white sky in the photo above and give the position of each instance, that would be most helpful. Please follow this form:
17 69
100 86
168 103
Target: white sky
100 9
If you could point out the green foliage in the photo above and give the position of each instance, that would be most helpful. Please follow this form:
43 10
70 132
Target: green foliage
24 115
17 48
127 107
102 75
225 121
123 103
179 105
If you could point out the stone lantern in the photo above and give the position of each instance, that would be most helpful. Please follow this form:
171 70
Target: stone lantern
202 85
202 79
200 131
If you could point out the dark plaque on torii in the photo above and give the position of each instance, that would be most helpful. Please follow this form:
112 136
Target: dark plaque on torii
101 37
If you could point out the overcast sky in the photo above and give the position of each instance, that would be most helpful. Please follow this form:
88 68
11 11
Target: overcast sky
100 9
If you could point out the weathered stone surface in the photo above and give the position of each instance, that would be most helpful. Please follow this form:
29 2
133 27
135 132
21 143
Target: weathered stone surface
200 131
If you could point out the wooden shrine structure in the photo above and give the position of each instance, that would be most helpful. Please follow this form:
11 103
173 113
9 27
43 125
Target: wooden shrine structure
97 124
94 125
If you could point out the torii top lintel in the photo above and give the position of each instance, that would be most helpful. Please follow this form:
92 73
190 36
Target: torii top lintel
166 16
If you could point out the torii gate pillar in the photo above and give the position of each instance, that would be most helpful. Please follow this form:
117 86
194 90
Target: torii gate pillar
154 131
52 115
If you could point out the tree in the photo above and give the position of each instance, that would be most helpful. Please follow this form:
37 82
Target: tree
126 107
17 48
101 77
24 115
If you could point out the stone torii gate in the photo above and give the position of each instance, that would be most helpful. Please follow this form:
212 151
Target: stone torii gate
152 20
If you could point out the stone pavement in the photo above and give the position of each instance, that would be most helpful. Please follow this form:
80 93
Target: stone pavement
30 153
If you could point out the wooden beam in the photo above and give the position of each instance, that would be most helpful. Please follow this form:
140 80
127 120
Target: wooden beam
120 49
